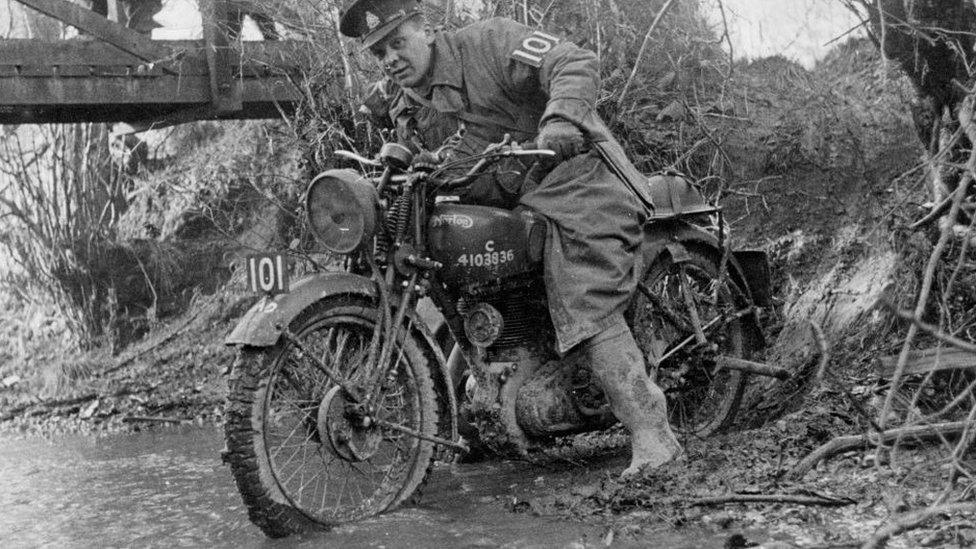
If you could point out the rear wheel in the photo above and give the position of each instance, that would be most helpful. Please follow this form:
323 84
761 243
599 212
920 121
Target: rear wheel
672 299
301 452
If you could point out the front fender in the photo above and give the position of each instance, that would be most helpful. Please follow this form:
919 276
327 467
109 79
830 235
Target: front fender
262 324
675 237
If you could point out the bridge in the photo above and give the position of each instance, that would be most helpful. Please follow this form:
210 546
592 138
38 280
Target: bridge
112 73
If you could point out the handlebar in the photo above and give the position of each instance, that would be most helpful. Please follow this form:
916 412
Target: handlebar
491 153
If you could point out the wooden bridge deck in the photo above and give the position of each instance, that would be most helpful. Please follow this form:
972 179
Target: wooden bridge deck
114 74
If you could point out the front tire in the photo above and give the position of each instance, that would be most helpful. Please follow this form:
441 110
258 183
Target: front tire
299 459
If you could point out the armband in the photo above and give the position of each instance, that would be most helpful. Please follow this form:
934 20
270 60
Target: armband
534 48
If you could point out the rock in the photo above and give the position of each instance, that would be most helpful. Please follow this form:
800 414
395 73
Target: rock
895 503
776 545
10 380
666 80
722 519
874 458
736 541
586 491
88 411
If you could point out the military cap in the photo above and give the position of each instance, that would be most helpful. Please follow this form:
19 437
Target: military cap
371 20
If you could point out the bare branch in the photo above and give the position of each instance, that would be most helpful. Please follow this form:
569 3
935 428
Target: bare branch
912 520
640 54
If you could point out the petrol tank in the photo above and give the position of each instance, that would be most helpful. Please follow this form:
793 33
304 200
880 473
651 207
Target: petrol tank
479 243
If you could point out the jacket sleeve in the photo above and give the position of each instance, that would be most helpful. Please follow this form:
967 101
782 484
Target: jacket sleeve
530 61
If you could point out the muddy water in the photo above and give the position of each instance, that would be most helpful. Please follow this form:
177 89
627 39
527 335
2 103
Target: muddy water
168 488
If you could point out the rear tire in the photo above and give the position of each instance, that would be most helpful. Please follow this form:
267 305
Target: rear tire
701 402
291 472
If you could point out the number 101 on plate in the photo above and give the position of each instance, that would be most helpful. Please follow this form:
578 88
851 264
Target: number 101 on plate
267 273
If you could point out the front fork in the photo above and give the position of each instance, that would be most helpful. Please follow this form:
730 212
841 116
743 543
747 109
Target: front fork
364 394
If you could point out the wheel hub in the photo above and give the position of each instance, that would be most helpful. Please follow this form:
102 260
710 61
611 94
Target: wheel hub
352 436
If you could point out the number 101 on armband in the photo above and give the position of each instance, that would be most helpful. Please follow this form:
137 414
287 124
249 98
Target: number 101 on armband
267 273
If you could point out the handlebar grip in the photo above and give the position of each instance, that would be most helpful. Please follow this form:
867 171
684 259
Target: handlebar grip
533 148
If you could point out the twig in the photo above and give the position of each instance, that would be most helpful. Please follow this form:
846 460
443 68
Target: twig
772 498
911 520
728 40
818 336
934 331
153 419
640 54
60 403
841 387
844 443
125 361
884 35
936 212
966 121
14 412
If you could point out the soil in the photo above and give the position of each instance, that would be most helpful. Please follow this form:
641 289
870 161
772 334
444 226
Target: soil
820 179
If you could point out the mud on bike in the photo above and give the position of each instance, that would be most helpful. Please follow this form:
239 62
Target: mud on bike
341 397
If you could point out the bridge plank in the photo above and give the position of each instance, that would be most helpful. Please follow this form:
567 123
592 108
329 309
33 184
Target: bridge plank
186 56
106 90
25 51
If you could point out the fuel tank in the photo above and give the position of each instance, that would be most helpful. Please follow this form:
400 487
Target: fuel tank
479 243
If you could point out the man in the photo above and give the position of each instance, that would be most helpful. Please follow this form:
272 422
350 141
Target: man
496 77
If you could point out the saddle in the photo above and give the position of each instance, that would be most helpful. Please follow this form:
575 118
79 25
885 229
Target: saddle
675 196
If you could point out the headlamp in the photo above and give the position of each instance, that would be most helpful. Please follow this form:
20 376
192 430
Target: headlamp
342 207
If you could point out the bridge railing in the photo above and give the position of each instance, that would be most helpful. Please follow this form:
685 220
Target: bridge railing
116 74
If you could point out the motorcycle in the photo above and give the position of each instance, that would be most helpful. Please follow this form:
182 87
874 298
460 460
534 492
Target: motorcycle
341 397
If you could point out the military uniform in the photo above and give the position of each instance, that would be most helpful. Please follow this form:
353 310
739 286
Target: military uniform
498 76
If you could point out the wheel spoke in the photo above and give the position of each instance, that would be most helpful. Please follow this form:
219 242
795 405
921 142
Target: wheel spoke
659 306
684 314
339 470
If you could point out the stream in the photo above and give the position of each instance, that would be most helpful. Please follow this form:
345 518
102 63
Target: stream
167 488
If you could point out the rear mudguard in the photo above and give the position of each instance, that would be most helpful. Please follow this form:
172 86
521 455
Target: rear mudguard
674 237
263 324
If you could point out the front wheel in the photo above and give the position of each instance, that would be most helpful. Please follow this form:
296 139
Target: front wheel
300 455
685 315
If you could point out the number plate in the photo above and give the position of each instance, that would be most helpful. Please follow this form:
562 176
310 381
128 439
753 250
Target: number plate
267 273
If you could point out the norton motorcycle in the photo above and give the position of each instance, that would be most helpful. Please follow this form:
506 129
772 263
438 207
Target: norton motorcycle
342 398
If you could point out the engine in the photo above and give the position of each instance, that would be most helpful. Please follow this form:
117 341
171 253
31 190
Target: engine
509 314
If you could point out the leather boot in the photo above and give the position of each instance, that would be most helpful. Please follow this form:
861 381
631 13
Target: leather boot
638 402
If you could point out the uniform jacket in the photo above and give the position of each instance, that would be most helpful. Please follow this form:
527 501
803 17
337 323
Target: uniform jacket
512 79
498 76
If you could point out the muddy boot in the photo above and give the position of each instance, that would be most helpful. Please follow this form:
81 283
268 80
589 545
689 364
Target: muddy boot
637 402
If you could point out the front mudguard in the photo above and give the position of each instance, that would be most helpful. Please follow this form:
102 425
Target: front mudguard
674 237
265 321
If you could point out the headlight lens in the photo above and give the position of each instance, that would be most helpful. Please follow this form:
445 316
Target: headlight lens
342 209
